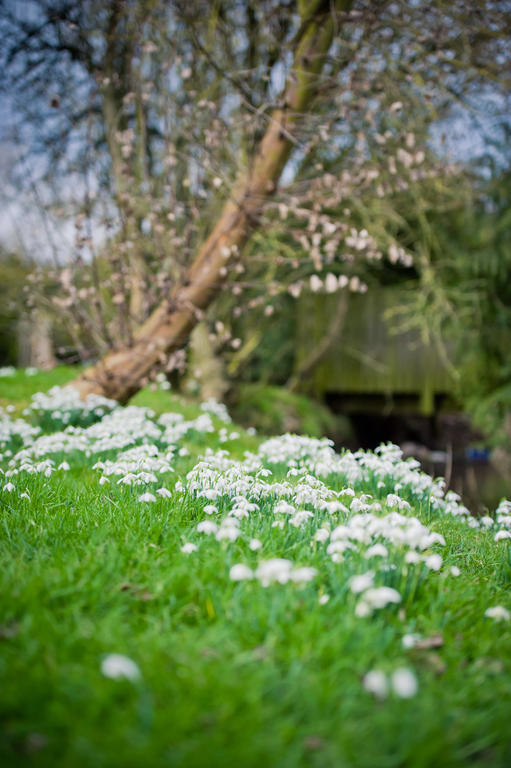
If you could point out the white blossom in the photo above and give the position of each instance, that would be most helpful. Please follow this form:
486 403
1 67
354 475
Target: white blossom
404 683
119 667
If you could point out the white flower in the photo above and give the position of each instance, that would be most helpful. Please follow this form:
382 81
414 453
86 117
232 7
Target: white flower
362 582
410 641
188 548
303 574
315 283
277 569
283 508
300 517
207 526
240 572
322 534
229 532
119 667
379 597
149 497
255 544
331 284
210 509
362 609
434 562
498 613
404 683
502 535
323 600
375 682
8 487
377 550
164 493
454 570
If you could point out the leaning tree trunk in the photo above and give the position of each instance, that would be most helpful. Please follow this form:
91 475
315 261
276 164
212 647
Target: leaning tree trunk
122 373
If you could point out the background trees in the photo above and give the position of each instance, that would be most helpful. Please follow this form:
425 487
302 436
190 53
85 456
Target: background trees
137 117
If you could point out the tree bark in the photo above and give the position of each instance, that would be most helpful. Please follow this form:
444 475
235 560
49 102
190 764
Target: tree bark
122 373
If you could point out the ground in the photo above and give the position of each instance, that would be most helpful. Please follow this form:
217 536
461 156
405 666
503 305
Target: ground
176 591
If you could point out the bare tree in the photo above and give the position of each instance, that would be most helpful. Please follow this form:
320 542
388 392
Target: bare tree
191 128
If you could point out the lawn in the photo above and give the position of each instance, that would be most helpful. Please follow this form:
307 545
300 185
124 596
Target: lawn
177 591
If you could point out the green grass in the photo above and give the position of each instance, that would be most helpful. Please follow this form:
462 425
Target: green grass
232 674
19 388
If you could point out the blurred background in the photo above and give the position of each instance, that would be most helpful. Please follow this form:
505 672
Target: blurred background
372 300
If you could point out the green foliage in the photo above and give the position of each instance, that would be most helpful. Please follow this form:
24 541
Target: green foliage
465 288
19 388
232 673
13 274
273 410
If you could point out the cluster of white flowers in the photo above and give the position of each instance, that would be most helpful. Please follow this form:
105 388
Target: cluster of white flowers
14 432
63 405
293 490
277 570
402 682
7 371
217 409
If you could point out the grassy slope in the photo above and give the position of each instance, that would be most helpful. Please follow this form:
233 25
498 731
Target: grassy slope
232 673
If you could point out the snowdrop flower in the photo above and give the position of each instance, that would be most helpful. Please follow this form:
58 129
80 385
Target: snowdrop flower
119 667
283 508
487 521
361 582
323 599
375 682
377 550
230 533
362 609
412 557
300 575
375 598
64 465
207 526
25 495
147 497
188 548
255 544
410 641
210 509
498 613
103 480
300 517
210 494
240 572
9 487
434 562
404 683
164 493
276 569
454 570
379 597
322 534
502 535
